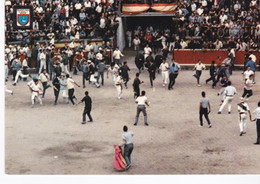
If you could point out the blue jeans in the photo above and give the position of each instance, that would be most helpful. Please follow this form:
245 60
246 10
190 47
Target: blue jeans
127 152
102 77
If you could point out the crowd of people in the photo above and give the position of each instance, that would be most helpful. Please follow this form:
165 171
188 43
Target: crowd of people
204 25
55 20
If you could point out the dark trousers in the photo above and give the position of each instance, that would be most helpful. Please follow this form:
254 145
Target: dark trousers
14 74
102 77
56 94
127 152
71 95
136 92
258 130
152 77
197 75
85 76
216 81
45 86
126 79
172 78
87 112
247 93
204 111
212 77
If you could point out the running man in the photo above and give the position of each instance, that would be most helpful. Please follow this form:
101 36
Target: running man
35 89
63 88
248 87
70 86
229 92
44 78
136 85
174 72
198 67
119 85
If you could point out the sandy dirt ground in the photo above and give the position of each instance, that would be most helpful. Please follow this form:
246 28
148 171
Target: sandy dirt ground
51 139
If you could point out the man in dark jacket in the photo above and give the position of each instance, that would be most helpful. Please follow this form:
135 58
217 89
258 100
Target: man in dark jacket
87 109
212 72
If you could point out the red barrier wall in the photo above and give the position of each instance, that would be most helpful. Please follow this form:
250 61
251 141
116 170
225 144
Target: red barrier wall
206 56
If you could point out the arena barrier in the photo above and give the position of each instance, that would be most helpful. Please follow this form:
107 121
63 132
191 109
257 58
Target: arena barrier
190 57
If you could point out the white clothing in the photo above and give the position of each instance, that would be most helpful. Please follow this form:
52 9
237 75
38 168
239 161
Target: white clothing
128 136
88 47
7 90
253 57
257 113
42 66
183 44
19 74
147 51
70 83
119 88
242 117
250 83
247 74
117 54
44 77
230 91
35 94
165 76
141 100
200 67
228 100
164 66
78 6
99 56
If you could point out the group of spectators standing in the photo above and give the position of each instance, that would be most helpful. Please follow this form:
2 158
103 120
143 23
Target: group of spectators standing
204 25
63 19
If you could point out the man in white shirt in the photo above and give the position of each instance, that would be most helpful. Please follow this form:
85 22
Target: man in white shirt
141 101
198 67
256 113
164 67
243 108
247 73
147 51
89 47
42 60
136 42
223 17
252 56
117 55
248 87
113 69
183 44
229 92
128 145
70 86
35 89
218 44
44 78
119 85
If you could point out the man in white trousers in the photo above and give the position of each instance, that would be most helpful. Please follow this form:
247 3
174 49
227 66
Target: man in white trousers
8 90
6 67
119 85
42 61
229 92
113 69
243 108
20 74
35 89
164 67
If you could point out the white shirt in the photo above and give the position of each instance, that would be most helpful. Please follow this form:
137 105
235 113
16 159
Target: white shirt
25 63
117 54
200 66
147 50
128 136
250 83
44 78
223 18
88 47
257 113
164 66
35 87
119 80
248 73
87 4
99 56
99 9
39 10
115 69
253 57
240 109
43 57
78 6
141 100
183 44
70 83
136 41
230 91
72 45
